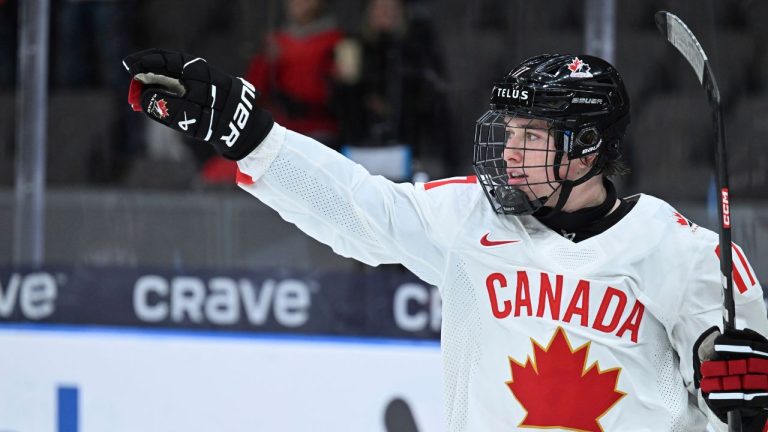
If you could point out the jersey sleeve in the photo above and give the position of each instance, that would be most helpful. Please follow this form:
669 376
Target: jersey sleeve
702 304
358 215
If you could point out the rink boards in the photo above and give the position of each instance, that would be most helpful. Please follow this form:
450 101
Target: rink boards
102 380
86 350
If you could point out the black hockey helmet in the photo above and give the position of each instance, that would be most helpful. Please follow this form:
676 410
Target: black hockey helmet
583 102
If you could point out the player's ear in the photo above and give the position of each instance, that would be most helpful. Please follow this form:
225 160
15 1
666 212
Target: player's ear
587 161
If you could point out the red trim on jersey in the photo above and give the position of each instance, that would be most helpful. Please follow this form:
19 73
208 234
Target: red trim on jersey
738 280
242 178
461 180
744 263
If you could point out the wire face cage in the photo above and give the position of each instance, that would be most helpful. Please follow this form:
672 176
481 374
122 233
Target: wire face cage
517 161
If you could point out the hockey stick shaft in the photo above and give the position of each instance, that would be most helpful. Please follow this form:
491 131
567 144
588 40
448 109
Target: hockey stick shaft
681 37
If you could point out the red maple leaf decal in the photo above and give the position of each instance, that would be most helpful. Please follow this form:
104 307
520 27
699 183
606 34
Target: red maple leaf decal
557 390
681 219
162 108
575 64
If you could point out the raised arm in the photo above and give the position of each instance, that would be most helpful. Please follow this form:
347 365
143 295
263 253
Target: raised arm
329 197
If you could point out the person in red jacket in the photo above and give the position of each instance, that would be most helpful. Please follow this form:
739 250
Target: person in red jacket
295 73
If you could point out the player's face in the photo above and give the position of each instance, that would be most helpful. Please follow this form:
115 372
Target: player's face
529 155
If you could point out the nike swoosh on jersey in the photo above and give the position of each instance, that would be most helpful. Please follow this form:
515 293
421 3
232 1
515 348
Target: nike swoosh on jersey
486 242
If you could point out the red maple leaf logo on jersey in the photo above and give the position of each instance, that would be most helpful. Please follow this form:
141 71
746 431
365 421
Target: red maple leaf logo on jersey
556 389
575 65
681 219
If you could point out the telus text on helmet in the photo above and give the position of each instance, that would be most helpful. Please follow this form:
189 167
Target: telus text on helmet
512 93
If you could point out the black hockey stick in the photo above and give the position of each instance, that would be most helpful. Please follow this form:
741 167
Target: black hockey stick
681 37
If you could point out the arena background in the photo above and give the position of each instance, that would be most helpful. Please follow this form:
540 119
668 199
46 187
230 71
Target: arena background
141 290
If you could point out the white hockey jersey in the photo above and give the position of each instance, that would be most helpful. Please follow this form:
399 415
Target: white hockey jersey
538 332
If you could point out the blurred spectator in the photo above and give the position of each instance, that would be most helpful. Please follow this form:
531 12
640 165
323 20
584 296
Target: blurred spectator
295 73
8 29
398 96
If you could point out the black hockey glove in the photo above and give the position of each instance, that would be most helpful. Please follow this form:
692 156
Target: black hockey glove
187 94
732 371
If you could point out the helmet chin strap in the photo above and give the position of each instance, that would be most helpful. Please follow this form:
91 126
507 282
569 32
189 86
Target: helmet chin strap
566 187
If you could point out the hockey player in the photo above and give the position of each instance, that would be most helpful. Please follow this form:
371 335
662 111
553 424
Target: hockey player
564 306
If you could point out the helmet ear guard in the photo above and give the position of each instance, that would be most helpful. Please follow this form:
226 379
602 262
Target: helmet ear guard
586 142
581 143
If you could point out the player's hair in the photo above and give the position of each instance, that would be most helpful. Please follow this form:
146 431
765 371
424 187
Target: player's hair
615 168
